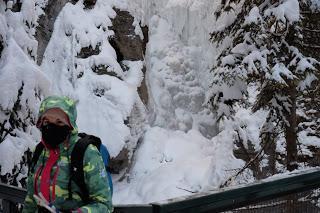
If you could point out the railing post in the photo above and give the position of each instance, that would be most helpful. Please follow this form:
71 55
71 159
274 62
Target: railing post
156 208
8 207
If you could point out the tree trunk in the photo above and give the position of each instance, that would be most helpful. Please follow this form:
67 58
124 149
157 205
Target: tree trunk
291 130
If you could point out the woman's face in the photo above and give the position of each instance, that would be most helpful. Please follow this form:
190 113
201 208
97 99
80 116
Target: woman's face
55 116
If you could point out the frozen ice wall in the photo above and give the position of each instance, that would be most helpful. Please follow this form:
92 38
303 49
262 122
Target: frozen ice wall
179 57
182 150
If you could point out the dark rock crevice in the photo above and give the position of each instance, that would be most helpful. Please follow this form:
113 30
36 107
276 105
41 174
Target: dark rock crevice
85 52
143 89
114 44
105 70
1 45
128 45
125 41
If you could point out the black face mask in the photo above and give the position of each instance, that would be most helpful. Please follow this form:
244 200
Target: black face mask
53 135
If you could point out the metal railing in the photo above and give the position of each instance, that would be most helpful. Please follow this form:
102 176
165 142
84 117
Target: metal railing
288 189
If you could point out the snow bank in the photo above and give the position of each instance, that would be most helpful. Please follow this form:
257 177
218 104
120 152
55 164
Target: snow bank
171 163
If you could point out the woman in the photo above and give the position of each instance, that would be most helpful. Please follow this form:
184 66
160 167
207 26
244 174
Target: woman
49 179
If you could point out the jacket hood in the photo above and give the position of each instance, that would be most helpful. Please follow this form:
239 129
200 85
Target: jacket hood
64 103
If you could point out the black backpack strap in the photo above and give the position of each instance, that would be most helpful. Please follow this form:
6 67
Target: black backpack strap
35 157
76 165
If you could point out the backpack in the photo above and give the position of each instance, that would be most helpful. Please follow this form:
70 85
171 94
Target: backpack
76 165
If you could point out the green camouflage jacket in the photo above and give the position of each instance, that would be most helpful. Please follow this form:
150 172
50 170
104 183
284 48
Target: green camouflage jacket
94 171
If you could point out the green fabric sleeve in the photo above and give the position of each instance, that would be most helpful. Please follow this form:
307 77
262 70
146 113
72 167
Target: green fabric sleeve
30 205
97 182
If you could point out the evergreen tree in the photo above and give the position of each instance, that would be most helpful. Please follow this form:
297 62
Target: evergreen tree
265 51
22 85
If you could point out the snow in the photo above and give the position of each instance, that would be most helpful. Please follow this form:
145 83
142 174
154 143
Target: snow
21 34
256 56
172 77
24 76
176 94
228 60
134 75
227 18
308 140
15 148
191 23
278 71
199 165
3 26
177 78
287 10
253 17
14 75
315 5
242 49
305 64
251 124
307 82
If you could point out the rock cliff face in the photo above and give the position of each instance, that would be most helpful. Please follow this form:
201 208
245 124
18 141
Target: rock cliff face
129 45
